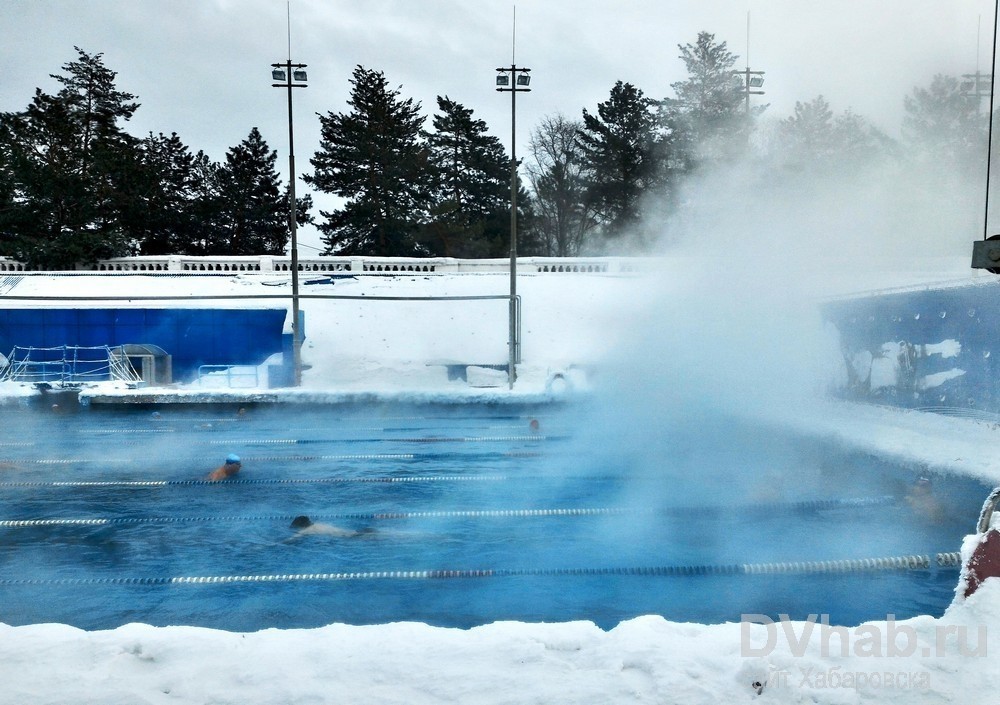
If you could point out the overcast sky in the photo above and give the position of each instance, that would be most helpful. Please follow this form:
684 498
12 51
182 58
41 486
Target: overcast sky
201 67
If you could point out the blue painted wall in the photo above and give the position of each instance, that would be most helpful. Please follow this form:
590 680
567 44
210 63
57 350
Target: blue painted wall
192 336
933 318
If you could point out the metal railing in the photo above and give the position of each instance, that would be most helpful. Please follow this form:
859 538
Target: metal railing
68 365
265 264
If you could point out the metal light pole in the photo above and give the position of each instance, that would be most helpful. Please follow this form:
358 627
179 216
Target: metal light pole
977 85
749 79
986 252
292 76
513 80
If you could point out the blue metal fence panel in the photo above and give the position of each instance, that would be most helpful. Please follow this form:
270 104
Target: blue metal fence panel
940 347
193 337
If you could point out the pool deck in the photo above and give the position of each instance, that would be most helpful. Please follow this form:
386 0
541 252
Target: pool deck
937 442
108 397
306 396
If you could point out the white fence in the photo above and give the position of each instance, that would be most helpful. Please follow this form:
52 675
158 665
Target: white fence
354 265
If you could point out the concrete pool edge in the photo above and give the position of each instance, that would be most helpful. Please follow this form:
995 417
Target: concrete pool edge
934 441
302 396
145 397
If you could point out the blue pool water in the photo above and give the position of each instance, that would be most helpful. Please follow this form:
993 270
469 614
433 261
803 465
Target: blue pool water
471 516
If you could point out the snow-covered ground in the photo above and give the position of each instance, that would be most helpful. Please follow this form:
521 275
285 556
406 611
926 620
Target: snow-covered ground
647 344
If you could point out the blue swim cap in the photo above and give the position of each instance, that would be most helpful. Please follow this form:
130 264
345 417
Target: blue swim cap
232 458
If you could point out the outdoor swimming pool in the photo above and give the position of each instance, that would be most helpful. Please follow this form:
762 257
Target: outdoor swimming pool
474 517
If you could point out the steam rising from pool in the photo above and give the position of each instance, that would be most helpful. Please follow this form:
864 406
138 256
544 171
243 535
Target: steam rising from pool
730 341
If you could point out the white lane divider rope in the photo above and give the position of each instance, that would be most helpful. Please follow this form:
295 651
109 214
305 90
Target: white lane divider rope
82 461
458 513
447 513
890 563
273 481
389 439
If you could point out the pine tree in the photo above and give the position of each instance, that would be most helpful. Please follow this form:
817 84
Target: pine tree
943 125
251 215
70 169
374 157
470 187
814 139
708 116
619 151
171 203
809 133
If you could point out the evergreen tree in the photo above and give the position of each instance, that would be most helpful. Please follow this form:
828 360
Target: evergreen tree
470 187
251 215
556 175
858 138
815 139
619 150
809 133
943 125
374 157
69 170
171 204
708 115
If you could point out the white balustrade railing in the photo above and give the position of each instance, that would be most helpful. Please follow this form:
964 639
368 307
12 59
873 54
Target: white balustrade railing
354 265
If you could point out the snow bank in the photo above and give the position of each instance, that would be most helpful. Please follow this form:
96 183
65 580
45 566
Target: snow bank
922 660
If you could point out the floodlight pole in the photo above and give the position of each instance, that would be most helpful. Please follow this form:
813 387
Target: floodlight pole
288 67
977 85
746 74
512 341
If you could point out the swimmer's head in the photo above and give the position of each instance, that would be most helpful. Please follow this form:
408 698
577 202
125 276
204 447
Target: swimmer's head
301 522
232 459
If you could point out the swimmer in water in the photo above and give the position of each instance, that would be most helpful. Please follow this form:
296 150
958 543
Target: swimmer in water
921 499
307 527
229 469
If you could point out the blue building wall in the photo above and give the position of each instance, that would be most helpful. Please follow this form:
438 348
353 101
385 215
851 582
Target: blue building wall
192 337
908 330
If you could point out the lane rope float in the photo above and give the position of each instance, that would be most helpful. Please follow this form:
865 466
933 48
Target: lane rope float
447 513
355 456
853 565
401 439
276 481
